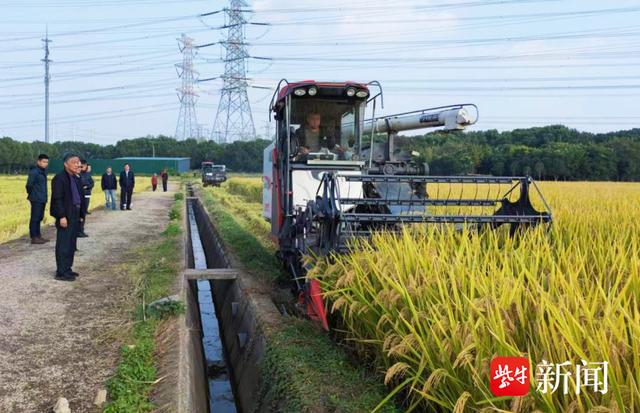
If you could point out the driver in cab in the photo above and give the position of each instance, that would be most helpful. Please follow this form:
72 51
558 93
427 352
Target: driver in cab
312 137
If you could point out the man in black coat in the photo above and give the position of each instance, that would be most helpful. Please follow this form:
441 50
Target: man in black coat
127 182
37 196
86 180
68 208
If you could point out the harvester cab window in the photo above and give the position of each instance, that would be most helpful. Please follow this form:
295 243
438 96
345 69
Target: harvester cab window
324 129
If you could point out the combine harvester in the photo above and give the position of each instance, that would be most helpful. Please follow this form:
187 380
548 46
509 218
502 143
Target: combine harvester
357 183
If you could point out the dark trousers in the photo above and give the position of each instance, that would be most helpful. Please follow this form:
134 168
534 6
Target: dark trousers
164 186
154 187
125 198
66 243
88 199
37 215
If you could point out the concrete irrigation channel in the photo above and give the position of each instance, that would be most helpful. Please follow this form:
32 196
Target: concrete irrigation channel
222 343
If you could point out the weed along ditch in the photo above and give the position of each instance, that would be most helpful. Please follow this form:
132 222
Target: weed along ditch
239 353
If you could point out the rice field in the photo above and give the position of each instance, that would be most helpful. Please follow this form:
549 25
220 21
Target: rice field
431 308
15 208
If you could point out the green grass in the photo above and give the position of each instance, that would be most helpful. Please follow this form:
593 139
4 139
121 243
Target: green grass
129 389
238 230
304 371
153 276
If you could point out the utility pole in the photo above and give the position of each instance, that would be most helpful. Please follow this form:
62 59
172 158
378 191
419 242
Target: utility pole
187 126
234 120
46 61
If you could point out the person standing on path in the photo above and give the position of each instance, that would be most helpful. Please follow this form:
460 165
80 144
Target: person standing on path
127 182
37 196
109 185
68 208
154 182
165 178
86 180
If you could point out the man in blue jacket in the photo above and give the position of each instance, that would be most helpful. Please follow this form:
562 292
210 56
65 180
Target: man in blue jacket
37 196
127 182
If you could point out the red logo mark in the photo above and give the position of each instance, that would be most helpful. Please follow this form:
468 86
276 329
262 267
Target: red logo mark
509 376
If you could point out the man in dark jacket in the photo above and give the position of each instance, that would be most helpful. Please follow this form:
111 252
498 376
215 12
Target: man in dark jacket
127 182
37 196
86 180
68 208
165 178
109 186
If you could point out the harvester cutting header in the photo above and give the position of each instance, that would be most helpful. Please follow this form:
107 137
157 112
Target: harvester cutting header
331 176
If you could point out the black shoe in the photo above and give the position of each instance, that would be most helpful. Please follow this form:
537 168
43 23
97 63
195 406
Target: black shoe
128 209
65 277
75 274
82 235
88 212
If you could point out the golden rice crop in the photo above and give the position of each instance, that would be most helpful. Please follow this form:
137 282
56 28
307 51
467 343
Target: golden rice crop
238 196
15 208
249 188
434 306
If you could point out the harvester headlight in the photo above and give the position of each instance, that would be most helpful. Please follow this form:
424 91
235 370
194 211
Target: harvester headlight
351 92
362 94
313 91
300 92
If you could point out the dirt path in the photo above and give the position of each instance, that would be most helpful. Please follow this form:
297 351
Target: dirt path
51 332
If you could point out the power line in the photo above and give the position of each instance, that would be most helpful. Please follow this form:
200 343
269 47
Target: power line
368 7
84 4
125 112
386 18
111 28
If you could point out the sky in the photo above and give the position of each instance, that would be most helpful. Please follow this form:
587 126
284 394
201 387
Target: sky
522 62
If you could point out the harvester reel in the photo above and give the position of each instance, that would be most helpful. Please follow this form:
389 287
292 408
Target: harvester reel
388 202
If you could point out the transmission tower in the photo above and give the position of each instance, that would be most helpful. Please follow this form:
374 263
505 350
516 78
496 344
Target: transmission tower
47 78
187 121
233 119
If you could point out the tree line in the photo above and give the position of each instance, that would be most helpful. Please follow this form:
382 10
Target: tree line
547 153
551 152
239 156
